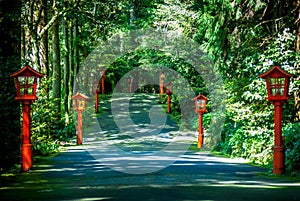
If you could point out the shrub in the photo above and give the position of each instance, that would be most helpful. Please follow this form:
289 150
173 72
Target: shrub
292 148
48 128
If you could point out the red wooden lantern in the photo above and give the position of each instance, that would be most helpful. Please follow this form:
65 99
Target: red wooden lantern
277 84
200 103
79 102
169 88
26 83
26 86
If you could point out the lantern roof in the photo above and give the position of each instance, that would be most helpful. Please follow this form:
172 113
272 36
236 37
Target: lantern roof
79 95
27 71
275 71
200 97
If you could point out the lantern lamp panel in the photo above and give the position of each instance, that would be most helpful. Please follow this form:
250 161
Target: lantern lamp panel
276 86
79 101
200 103
81 104
26 85
22 80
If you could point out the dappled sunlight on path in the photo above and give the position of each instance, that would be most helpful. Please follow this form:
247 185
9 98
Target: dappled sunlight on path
137 137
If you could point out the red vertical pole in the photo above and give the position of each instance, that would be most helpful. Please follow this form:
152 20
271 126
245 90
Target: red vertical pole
79 128
169 103
102 84
129 86
96 102
161 84
200 130
161 88
26 148
278 161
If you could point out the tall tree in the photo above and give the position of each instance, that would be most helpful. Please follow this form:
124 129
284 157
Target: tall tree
10 52
297 48
43 48
56 77
75 51
66 67
296 5
71 69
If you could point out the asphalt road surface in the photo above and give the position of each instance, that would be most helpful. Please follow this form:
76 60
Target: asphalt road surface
128 161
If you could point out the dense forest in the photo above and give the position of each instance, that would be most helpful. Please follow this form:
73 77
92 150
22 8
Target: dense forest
242 38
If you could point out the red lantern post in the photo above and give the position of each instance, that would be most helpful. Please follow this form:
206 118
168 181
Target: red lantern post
277 81
79 103
102 76
96 89
169 91
200 104
161 83
130 81
26 85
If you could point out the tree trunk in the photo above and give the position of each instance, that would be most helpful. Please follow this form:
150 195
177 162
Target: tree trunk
71 69
76 53
66 69
31 15
297 25
132 15
10 51
56 83
297 48
43 48
297 96
23 44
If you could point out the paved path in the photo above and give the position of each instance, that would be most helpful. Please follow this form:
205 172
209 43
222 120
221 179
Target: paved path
80 174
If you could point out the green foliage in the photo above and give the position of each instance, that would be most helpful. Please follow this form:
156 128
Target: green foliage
244 43
248 131
176 15
9 115
48 128
291 133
